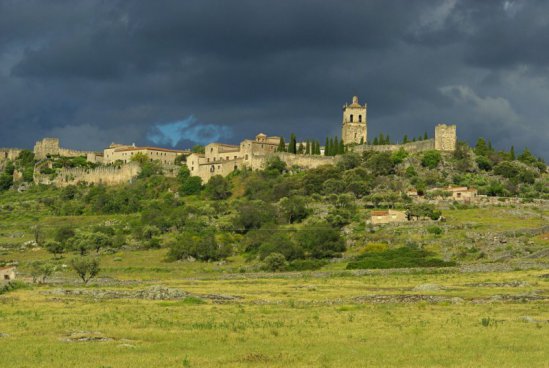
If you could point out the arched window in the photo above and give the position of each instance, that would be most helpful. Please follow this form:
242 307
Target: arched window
212 168
360 118
351 118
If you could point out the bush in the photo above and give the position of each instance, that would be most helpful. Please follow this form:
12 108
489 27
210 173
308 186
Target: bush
306 264
280 242
431 159
434 230
218 188
201 246
192 185
86 268
274 262
320 240
397 258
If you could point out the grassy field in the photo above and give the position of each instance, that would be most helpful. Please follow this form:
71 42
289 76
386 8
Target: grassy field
321 319
483 312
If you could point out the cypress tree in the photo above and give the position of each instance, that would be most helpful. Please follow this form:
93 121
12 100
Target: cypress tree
335 148
341 147
301 149
292 147
425 136
512 153
308 148
326 147
331 147
361 140
405 139
388 140
375 142
281 145
317 148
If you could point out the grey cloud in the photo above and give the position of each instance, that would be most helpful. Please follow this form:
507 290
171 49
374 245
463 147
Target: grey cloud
100 71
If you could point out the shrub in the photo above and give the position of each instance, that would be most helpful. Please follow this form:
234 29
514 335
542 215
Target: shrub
218 187
281 243
431 159
192 185
202 246
274 262
433 229
306 264
403 257
320 240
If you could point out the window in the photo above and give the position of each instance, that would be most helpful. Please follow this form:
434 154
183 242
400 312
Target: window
351 118
6 277
212 168
360 118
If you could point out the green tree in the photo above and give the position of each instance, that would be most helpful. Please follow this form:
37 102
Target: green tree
191 186
308 148
55 248
218 187
292 147
376 141
6 181
431 159
327 147
40 271
198 149
425 136
281 145
294 209
405 139
320 240
512 153
481 149
85 267
341 147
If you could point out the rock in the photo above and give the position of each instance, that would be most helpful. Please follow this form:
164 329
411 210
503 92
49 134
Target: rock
456 300
429 287
527 319
128 346
86 336
4 335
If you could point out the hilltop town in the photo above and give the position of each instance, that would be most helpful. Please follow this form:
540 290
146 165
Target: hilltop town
116 164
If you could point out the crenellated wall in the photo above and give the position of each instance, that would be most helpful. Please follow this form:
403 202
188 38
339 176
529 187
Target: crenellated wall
50 147
410 147
107 175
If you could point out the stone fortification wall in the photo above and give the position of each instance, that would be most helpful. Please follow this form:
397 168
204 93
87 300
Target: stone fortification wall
411 147
9 153
258 162
50 147
306 161
107 175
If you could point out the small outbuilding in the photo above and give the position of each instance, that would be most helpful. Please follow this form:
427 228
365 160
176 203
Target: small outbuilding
7 274
387 217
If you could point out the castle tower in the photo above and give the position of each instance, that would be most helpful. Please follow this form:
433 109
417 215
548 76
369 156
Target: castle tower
445 137
355 125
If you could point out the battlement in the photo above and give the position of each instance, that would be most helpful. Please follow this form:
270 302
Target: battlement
107 175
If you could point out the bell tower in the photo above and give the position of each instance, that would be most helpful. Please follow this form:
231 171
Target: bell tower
354 129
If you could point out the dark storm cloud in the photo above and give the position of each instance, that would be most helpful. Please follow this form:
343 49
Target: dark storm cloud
92 72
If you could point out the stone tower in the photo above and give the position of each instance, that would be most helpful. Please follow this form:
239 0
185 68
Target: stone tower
445 137
46 147
355 126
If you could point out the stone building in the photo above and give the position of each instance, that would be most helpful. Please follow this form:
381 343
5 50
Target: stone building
458 193
124 153
223 159
355 126
7 274
387 216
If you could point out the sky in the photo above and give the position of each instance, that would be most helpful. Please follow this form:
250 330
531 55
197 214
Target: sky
177 73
